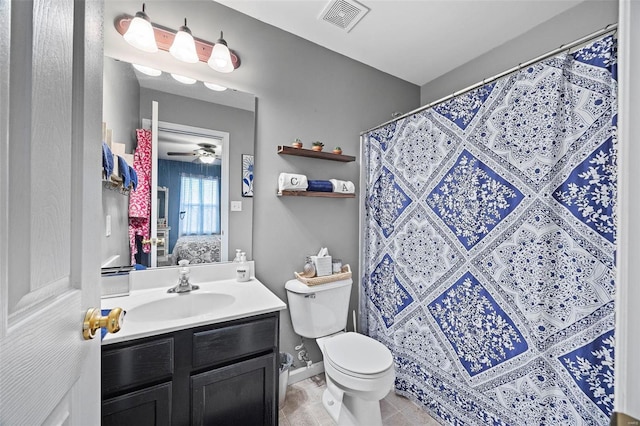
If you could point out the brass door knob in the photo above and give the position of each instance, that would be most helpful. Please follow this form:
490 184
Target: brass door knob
93 321
154 241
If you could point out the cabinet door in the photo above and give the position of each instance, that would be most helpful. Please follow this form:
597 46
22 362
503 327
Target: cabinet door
238 394
150 406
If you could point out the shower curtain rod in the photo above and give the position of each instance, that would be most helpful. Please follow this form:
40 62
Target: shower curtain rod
605 30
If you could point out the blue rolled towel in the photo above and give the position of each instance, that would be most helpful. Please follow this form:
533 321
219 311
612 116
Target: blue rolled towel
134 177
124 172
320 186
107 160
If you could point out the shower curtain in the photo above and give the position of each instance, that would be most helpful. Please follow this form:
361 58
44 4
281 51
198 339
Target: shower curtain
489 238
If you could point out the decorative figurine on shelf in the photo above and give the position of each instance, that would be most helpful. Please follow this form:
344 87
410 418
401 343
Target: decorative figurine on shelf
337 150
317 146
297 143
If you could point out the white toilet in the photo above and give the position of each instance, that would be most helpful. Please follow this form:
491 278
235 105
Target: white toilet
359 370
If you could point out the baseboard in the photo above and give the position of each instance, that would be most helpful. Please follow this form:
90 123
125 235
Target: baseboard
302 373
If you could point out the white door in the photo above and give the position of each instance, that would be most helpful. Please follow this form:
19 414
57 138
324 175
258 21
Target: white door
50 197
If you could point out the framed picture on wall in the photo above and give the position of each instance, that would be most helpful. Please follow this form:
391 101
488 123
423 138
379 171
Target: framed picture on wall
247 175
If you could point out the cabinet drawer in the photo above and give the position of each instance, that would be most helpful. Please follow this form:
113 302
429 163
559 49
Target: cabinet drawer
223 344
136 365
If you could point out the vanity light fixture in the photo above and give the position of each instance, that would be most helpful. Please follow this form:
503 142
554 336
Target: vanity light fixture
220 59
147 70
217 55
140 33
183 47
183 79
215 87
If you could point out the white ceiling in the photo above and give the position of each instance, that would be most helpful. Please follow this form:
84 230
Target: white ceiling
414 40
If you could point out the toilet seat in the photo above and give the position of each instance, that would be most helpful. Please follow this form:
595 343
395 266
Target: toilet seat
358 356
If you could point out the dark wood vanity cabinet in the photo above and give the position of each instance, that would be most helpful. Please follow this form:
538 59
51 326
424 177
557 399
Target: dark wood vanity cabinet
220 374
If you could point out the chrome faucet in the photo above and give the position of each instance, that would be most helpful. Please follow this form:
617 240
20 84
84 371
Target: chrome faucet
183 286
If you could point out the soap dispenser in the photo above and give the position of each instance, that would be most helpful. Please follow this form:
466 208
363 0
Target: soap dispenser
242 270
237 258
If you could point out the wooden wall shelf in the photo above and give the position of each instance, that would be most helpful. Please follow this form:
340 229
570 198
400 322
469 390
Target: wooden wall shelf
302 152
314 194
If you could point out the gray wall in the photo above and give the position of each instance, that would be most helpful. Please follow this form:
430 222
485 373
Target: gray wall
120 105
575 23
240 124
120 102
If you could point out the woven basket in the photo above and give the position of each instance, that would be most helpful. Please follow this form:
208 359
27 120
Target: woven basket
343 275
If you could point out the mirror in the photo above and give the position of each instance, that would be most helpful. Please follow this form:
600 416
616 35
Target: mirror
193 121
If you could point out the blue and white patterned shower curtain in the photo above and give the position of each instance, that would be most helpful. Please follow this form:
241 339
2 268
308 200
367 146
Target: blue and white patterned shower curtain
489 246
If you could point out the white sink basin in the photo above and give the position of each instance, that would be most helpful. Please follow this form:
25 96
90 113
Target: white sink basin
179 306
152 311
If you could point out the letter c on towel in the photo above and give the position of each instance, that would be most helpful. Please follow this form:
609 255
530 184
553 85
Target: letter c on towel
294 180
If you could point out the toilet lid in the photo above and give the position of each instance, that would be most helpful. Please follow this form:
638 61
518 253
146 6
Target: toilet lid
359 354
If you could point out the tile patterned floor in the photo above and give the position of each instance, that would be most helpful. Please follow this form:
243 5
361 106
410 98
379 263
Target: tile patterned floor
303 407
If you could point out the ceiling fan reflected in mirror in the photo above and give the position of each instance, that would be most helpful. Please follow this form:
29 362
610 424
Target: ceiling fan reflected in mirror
206 154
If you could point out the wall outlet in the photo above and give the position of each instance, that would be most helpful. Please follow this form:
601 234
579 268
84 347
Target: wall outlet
107 232
236 206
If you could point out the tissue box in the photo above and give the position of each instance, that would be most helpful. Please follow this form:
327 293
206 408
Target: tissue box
323 265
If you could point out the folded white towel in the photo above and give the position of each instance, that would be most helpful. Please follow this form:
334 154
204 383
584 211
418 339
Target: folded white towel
292 182
343 186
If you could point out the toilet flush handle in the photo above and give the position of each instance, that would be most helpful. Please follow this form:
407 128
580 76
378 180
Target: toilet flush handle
310 296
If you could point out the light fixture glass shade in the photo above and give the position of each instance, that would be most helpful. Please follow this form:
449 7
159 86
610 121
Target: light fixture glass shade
215 87
147 70
183 79
220 59
140 34
207 159
183 47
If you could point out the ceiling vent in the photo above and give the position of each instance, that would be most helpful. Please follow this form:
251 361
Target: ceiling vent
344 14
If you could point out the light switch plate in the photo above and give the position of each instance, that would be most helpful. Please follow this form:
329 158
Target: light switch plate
236 206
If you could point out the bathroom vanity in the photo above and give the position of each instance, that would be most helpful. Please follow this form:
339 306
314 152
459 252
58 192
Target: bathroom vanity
177 362
219 374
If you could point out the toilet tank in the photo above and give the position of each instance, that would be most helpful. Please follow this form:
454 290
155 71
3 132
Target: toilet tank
318 310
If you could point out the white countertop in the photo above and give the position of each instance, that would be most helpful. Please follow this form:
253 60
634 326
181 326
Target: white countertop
251 298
